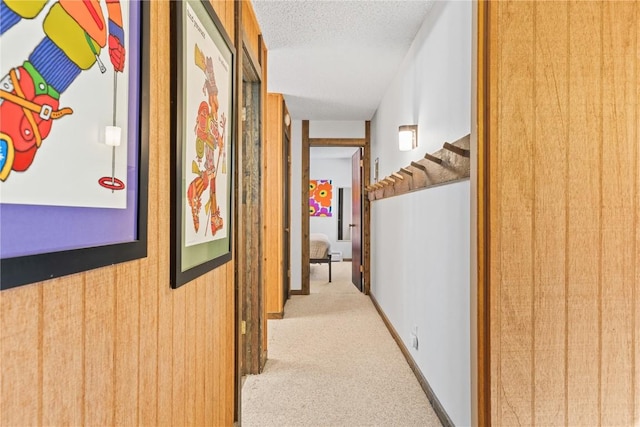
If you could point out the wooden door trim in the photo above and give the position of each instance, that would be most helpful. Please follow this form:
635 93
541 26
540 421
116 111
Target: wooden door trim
237 416
286 200
305 176
481 368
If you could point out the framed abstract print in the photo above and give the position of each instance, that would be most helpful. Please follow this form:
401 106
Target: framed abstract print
73 136
202 113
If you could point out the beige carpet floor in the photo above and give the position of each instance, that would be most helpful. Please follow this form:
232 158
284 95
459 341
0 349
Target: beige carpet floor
332 362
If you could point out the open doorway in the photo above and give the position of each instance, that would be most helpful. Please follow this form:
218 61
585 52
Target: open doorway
249 245
359 148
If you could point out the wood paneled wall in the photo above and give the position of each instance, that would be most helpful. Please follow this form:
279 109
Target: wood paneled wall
273 169
251 30
564 212
117 346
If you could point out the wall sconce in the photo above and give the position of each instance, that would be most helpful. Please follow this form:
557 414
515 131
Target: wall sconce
112 135
407 137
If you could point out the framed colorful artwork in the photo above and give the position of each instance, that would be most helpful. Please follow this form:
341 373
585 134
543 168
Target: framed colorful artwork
73 137
320 197
202 123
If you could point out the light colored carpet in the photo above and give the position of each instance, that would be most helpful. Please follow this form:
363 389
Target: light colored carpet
332 362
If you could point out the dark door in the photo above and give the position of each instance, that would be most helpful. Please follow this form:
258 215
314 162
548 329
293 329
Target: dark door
286 238
356 209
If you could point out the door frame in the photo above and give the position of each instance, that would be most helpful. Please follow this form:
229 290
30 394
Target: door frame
286 204
480 218
307 143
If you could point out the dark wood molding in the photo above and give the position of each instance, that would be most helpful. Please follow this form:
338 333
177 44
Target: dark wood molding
277 316
296 292
366 210
482 389
337 142
433 399
305 223
237 412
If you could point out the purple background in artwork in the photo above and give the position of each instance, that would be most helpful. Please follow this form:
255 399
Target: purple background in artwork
32 229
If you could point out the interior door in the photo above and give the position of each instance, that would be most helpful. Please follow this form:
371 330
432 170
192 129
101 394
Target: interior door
286 238
356 221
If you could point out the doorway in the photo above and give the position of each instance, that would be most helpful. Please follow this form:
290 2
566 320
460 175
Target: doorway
364 167
249 245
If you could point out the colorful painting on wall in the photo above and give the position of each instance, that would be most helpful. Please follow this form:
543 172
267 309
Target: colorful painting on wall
320 196
73 136
202 113
65 77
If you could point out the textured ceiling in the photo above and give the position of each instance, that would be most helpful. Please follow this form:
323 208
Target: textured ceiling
333 60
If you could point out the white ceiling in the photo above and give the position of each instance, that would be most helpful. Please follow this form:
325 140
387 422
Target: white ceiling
333 60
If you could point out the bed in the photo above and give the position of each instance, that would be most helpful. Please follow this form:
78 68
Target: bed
319 247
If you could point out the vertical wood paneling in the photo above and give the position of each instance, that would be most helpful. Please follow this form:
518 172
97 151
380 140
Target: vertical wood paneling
619 144
127 341
492 179
190 353
200 351
209 391
563 212
149 267
115 345
21 383
99 346
583 247
179 353
273 167
218 342
516 275
551 85
228 335
149 277
250 28
636 296
62 343
165 295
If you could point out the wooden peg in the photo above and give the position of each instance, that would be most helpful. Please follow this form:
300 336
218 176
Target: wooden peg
388 180
420 166
433 158
457 150
397 175
406 171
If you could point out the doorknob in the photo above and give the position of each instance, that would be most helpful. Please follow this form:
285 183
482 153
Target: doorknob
352 225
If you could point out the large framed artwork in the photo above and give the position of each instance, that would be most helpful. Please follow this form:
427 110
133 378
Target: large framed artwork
202 118
73 136
320 197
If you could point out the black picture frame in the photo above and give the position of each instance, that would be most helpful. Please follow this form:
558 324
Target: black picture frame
203 92
43 265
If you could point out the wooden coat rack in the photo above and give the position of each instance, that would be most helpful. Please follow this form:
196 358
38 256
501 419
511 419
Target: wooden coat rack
447 165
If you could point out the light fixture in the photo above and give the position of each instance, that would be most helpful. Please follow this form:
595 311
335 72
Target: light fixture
407 137
112 135
287 120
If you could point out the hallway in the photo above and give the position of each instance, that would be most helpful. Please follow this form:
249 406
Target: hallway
332 362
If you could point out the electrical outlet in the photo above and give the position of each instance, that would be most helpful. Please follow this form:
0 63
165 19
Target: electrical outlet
414 337
414 342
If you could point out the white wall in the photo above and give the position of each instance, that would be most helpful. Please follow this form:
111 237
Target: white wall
339 171
424 281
